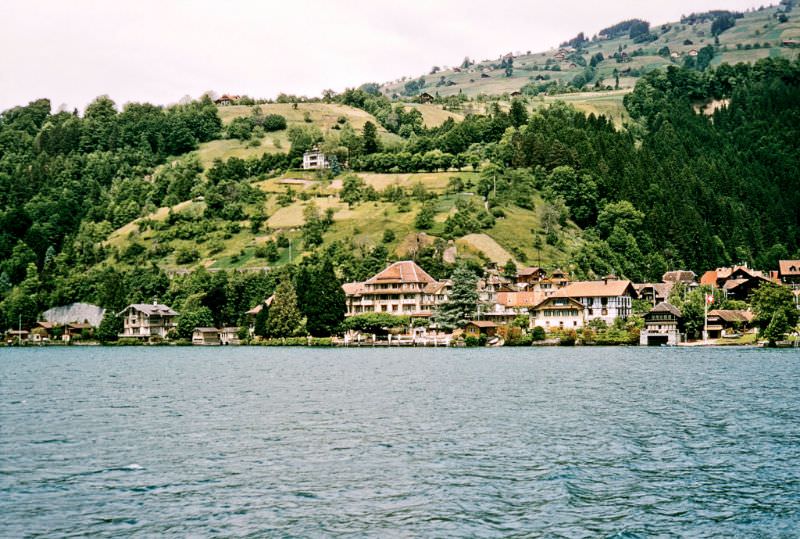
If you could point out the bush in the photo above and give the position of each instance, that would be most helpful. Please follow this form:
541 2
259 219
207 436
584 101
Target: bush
274 122
472 341
187 256
538 334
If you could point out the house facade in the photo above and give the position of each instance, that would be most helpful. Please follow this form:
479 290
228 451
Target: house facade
205 337
555 313
738 282
144 320
604 300
403 288
789 273
728 322
661 326
315 159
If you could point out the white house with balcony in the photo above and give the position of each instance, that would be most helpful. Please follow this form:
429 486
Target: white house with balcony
145 320
403 288
315 159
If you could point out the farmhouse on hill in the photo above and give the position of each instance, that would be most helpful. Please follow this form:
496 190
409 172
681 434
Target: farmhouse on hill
315 159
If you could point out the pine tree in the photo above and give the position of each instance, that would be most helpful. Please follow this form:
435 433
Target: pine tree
461 303
284 318
371 142
325 305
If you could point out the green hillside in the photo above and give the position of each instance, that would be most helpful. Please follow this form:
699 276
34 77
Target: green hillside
758 34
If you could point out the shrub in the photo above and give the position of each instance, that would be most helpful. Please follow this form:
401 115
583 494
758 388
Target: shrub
538 334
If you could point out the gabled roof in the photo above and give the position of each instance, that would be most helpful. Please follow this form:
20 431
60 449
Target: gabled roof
665 307
481 324
258 308
679 276
151 309
594 289
406 271
524 272
206 330
732 315
436 287
789 267
544 303
353 289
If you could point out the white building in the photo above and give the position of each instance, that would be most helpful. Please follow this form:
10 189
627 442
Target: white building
403 288
315 159
144 320
558 313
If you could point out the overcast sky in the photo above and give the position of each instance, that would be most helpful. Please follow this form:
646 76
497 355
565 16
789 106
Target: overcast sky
159 51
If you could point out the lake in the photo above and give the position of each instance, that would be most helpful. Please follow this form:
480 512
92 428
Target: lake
572 442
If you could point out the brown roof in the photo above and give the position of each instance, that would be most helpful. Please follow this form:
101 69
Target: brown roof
589 289
257 309
151 309
406 271
732 315
665 307
528 271
482 324
679 276
544 303
353 289
436 287
206 330
789 267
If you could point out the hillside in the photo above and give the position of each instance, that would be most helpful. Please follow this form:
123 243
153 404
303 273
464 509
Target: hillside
759 28
191 239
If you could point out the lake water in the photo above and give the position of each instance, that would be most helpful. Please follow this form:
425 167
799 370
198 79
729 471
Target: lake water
584 442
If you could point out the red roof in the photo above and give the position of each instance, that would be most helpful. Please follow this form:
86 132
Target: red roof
789 267
593 289
406 271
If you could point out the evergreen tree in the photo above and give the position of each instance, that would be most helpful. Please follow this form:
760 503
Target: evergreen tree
462 301
285 319
510 269
324 302
371 142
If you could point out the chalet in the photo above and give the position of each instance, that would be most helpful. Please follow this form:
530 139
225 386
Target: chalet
605 300
491 285
144 320
654 293
403 288
476 328
425 97
17 335
205 337
76 329
680 276
508 305
528 276
225 100
728 323
558 313
789 272
43 331
315 159
737 282
661 326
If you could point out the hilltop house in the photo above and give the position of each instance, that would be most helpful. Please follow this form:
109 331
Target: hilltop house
224 100
425 97
661 326
605 300
315 159
144 320
789 272
403 288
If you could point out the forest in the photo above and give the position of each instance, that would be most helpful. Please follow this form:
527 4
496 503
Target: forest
677 187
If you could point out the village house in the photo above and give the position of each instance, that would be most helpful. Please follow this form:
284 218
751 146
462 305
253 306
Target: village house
315 159
253 313
205 337
425 97
224 100
144 320
509 305
530 275
654 293
491 285
661 326
76 330
680 276
554 313
789 273
728 323
43 331
476 328
737 282
604 300
403 288
537 280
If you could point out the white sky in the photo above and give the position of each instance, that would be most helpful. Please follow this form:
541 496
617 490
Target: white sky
159 51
